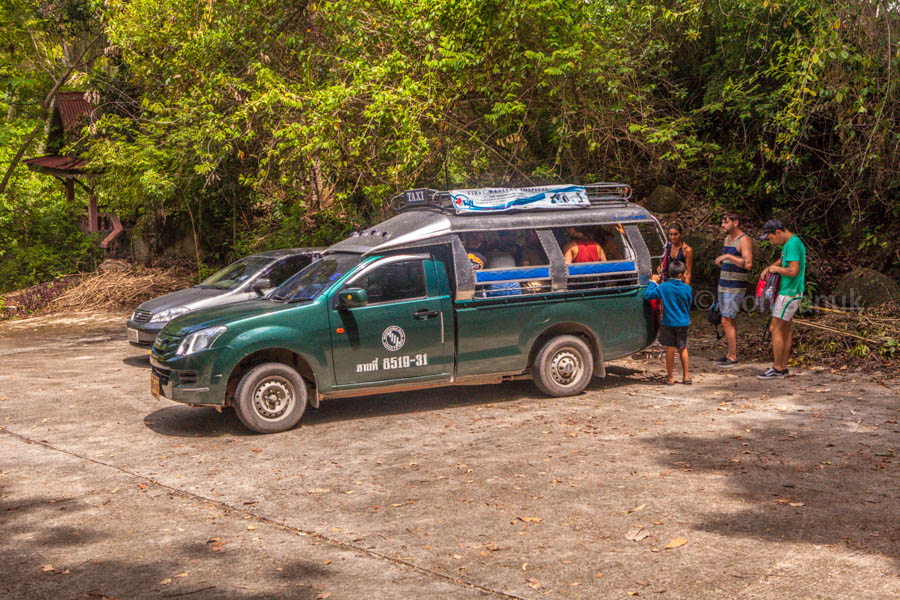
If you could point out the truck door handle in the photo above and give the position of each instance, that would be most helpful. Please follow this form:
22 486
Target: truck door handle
425 314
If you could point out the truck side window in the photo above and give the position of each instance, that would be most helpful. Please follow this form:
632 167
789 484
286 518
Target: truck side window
515 263
284 269
655 243
612 239
597 256
403 280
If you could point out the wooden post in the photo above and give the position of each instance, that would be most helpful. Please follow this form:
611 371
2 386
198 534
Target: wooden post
93 227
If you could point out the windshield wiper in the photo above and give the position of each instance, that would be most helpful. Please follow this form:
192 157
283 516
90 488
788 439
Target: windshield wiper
301 299
276 298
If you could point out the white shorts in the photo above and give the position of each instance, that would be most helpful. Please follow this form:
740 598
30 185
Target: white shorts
785 307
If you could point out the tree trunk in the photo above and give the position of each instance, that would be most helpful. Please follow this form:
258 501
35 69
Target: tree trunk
48 122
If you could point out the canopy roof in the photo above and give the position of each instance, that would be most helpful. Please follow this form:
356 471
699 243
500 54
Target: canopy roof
417 227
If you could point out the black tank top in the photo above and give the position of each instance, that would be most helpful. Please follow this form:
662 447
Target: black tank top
667 259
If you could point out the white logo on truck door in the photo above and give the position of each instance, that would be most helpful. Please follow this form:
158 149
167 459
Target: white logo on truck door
393 338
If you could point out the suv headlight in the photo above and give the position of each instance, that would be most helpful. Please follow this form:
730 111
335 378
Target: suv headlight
199 340
168 315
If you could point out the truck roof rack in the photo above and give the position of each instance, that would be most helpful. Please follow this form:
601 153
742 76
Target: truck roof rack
608 193
598 194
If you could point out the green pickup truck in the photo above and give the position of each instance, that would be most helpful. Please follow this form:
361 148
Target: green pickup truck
461 287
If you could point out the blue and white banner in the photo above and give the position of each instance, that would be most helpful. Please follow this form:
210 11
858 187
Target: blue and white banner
502 199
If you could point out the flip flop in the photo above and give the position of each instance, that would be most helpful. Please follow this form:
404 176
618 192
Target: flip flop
670 382
688 382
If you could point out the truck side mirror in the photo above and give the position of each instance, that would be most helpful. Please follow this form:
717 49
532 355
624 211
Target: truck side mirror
260 285
352 298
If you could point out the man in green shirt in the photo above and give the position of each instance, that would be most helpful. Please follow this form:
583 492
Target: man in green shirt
792 268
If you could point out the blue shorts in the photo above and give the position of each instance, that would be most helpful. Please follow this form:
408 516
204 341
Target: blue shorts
730 304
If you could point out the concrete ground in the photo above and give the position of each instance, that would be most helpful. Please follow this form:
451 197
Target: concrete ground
730 488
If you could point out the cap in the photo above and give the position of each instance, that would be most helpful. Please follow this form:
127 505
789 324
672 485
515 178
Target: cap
771 226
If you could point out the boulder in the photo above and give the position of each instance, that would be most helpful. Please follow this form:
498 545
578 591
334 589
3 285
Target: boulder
865 287
664 199
140 249
183 248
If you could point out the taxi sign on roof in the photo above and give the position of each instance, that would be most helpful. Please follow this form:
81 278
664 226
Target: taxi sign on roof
489 200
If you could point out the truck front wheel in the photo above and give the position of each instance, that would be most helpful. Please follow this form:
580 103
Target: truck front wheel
270 397
563 367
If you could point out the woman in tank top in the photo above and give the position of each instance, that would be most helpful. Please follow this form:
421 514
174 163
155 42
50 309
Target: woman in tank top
677 249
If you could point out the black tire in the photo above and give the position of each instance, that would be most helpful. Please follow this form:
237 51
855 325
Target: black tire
270 397
563 367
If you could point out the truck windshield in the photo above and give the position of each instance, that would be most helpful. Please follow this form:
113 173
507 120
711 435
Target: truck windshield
236 273
315 279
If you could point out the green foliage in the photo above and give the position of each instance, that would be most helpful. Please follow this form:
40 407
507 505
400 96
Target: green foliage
252 124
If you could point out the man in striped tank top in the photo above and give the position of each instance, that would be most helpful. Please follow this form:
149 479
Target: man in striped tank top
735 262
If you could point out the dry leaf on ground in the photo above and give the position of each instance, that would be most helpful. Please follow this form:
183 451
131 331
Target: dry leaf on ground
676 543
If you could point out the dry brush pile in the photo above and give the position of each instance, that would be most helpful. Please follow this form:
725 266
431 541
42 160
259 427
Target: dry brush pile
111 290
103 290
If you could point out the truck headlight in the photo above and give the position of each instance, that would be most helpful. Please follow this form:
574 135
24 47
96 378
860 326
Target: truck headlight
199 340
167 315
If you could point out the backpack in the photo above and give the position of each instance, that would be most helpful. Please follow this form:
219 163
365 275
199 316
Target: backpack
766 292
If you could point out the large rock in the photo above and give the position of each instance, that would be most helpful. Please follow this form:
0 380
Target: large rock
664 199
866 287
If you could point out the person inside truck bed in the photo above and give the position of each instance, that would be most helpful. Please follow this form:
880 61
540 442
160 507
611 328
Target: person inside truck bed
610 239
582 248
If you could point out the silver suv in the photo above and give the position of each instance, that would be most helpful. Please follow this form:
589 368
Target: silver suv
248 278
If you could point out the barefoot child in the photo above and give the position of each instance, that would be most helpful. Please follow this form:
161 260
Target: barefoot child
676 316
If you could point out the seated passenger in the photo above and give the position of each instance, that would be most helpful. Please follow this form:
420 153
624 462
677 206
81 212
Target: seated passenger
502 260
609 243
532 252
473 242
582 249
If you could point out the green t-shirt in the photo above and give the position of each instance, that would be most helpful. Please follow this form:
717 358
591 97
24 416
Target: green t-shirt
793 250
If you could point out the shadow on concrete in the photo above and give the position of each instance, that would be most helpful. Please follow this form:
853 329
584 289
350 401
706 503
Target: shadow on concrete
200 422
617 376
183 421
142 361
801 479
35 528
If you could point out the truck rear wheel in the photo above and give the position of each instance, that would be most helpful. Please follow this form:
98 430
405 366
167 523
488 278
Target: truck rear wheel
270 397
563 367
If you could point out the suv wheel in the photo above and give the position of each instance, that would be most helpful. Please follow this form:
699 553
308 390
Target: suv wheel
270 397
563 367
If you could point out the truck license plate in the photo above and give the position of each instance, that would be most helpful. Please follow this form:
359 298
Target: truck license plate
154 385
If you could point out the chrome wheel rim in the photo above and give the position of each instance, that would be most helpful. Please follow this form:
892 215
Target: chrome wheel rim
273 398
566 367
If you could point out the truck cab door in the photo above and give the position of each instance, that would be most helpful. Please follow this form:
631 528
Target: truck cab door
398 335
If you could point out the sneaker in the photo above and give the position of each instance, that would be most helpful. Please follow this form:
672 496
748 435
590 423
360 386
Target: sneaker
772 373
720 360
727 363
785 373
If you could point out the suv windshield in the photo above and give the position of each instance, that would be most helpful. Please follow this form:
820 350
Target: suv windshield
316 278
236 273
